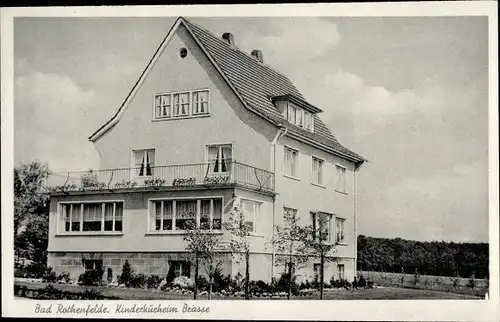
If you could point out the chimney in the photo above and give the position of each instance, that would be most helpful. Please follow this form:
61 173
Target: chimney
228 37
257 54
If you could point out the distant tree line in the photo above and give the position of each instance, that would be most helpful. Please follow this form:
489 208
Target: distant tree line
398 255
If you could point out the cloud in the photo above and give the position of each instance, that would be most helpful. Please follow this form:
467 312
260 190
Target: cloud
53 118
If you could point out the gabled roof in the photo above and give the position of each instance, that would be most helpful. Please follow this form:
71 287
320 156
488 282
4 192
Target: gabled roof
253 82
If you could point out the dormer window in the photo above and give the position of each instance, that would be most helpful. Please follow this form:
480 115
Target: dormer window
181 104
300 117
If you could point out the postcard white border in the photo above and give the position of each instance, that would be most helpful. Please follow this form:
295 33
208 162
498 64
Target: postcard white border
434 310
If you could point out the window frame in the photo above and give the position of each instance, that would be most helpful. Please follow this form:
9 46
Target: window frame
296 168
174 200
135 169
296 115
331 231
315 176
256 214
61 217
200 102
341 241
190 113
343 271
219 159
342 180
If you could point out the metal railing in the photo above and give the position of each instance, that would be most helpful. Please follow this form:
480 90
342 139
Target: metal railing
185 175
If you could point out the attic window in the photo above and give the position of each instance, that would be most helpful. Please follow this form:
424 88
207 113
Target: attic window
300 117
183 52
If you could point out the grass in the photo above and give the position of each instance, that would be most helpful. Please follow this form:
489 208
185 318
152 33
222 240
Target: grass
391 293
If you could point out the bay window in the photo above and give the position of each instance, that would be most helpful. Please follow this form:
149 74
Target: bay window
92 216
170 215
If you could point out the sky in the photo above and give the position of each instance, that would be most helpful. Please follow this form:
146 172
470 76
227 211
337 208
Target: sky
409 94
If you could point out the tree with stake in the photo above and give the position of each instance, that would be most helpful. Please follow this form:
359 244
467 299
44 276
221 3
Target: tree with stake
239 243
289 240
318 243
205 245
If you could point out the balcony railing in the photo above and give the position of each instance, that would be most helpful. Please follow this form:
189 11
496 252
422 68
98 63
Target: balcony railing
186 175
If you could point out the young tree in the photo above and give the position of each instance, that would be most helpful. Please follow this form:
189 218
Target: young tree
205 245
289 240
318 244
239 242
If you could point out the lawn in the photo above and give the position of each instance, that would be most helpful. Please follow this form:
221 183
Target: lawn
380 293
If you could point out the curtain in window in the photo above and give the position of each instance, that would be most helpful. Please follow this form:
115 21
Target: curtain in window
205 214
165 105
217 215
108 217
213 158
249 210
167 215
75 217
157 215
185 212
290 162
226 158
119 216
92 214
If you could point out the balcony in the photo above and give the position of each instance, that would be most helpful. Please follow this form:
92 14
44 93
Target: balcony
164 177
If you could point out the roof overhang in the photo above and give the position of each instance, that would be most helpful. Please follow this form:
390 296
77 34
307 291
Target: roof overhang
297 101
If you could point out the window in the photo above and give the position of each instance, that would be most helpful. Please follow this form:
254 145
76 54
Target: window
321 223
163 106
181 104
179 268
91 264
291 162
292 111
340 183
317 171
339 229
220 158
341 271
168 215
183 52
289 213
251 210
200 102
163 215
308 121
185 212
144 162
300 117
98 216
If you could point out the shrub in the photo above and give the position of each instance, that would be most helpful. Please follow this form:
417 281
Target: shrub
64 277
202 283
284 281
138 280
153 281
49 275
362 281
126 275
183 282
236 283
93 294
305 285
91 277
472 281
32 270
369 284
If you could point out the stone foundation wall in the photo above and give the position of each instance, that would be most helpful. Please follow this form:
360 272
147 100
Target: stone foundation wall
146 263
